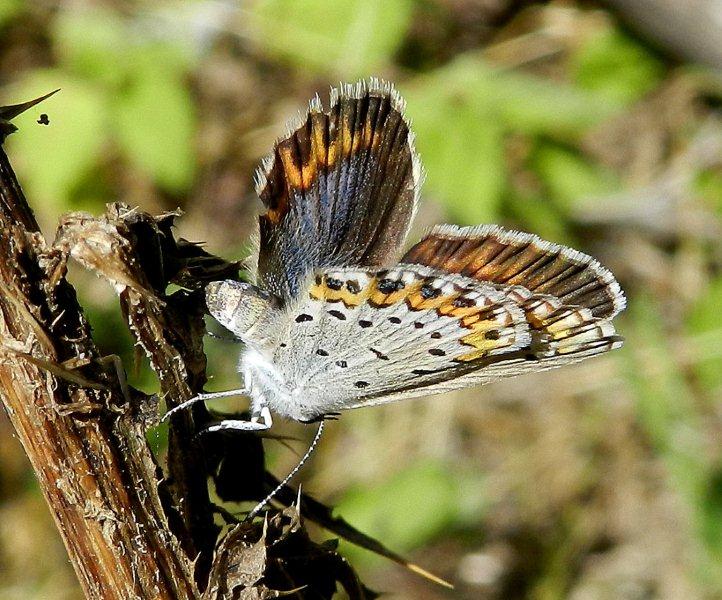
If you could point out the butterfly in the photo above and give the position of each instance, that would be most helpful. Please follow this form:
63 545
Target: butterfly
334 320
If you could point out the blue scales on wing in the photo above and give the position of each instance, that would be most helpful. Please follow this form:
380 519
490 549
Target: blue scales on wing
340 188
337 322
358 335
480 304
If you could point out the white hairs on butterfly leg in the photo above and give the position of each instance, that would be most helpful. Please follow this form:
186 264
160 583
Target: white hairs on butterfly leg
259 507
259 422
202 398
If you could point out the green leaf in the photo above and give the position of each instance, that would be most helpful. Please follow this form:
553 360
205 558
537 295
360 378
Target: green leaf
711 513
352 37
539 215
98 44
705 328
570 180
92 44
8 10
616 67
153 114
525 103
52 159
155 122
461 143
406 511
708 185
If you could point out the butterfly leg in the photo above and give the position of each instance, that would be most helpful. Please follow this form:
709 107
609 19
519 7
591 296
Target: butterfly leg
202 398
259 422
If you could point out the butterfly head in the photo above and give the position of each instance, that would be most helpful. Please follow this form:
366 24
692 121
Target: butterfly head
242 308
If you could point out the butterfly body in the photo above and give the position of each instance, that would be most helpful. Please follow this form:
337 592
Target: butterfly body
334 322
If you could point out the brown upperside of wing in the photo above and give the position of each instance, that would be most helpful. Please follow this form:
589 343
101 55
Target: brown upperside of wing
510 258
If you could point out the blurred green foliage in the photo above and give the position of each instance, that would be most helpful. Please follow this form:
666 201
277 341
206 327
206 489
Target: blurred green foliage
9 9
669 412
349 37
120 101
568 179
616 67
703 321
388 509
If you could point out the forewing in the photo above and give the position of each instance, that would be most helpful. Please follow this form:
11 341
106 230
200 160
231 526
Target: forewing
368 337
340 189
359 336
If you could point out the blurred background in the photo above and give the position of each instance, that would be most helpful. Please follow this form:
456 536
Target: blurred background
593 124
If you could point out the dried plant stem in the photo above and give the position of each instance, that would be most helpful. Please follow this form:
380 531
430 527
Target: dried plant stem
86 444
130 531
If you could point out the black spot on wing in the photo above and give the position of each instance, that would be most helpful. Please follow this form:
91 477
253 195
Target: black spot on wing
379 354
303 317
338 314
428 292
389 286
462 302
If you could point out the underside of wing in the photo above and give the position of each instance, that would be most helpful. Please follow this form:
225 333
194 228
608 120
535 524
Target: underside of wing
559 336
479 304
362 334
340 189
568 300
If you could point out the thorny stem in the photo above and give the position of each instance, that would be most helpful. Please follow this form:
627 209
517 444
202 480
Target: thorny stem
86 445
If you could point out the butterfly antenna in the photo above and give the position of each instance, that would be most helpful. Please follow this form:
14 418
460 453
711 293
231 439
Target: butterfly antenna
259 507
224 338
